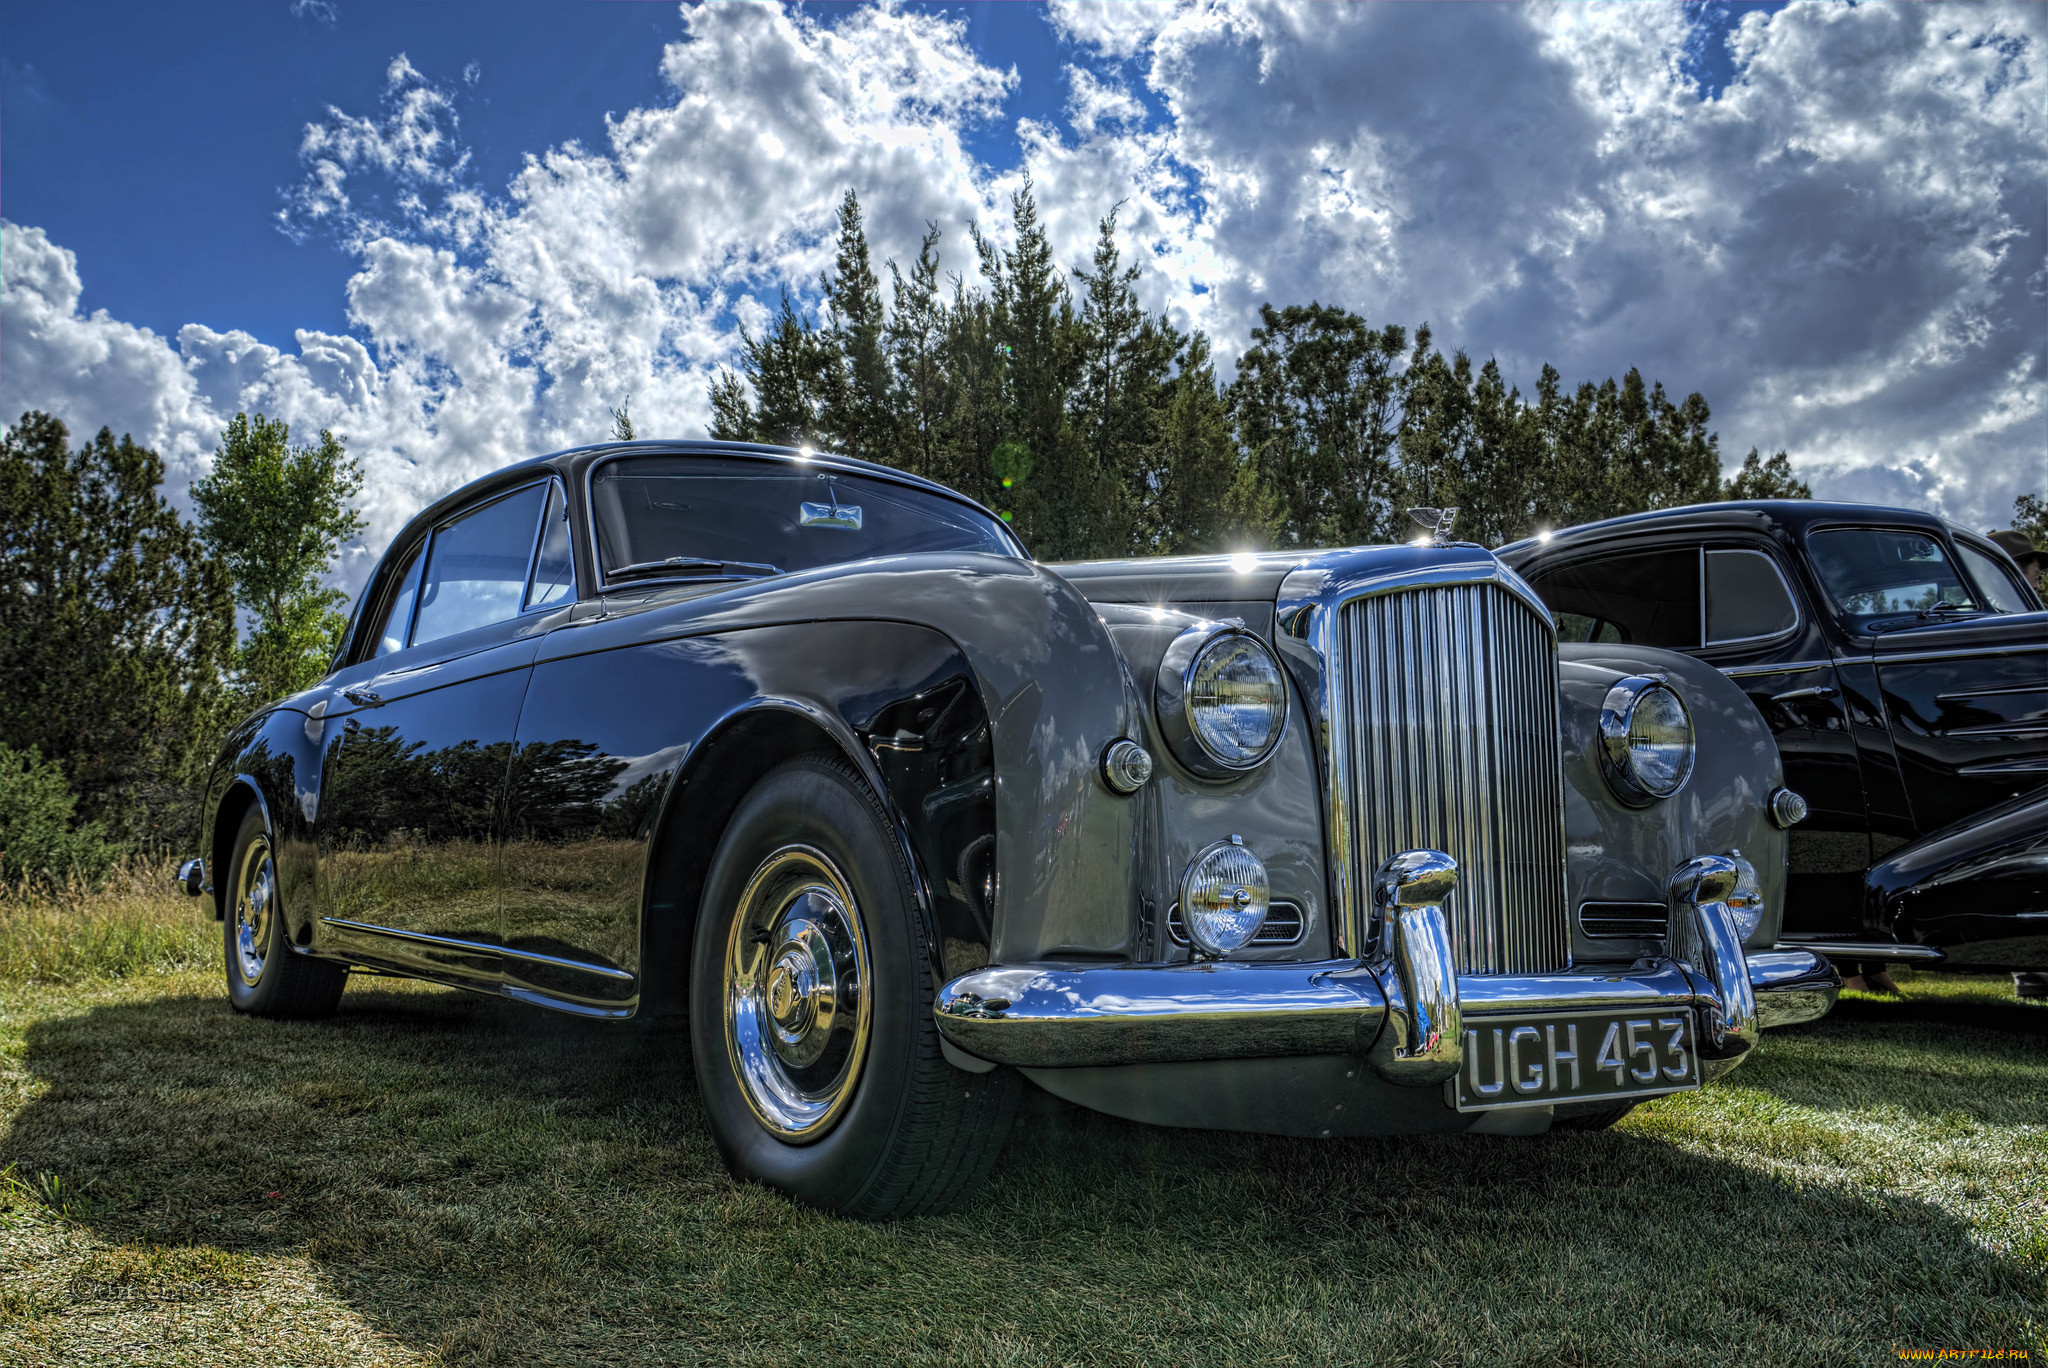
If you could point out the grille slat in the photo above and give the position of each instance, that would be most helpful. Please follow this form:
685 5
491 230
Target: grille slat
1448 696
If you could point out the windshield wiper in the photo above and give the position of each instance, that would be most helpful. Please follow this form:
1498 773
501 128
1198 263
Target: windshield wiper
687 565
1946 607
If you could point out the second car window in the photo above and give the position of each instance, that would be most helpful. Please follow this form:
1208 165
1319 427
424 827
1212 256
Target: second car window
476 569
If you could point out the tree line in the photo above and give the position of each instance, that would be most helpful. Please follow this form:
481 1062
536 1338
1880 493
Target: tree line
1098 428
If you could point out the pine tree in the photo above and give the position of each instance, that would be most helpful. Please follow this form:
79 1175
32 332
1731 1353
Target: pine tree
115 628
915 340
1762 479
856 409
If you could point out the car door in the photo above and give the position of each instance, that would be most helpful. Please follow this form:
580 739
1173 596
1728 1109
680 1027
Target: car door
418 738
1963 677
1729 600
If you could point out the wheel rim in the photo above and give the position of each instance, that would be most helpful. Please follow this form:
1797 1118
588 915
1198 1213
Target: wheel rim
796 993
255 906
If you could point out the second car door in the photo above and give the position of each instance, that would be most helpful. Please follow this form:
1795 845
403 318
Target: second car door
417 745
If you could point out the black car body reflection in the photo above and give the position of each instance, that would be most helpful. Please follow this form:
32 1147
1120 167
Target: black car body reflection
1901 662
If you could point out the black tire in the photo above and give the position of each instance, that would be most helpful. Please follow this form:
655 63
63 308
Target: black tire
905 1133
1592 1118
278 981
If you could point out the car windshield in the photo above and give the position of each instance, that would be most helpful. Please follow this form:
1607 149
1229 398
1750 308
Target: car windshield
1873 572
662 516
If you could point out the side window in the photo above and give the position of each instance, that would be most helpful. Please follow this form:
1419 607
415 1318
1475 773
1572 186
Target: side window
1650 598
390 635
554 574
1579 627
1746 598
1994 581
477 566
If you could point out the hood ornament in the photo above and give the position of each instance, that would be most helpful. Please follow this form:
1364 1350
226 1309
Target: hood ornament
1436 522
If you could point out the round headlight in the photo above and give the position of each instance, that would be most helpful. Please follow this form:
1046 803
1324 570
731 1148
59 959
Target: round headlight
1223 898
1646 741
1222 700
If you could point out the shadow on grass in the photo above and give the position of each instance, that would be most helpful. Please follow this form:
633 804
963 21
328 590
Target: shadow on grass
495 1184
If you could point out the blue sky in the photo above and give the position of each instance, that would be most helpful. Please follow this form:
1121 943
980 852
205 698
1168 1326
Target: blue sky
1827 218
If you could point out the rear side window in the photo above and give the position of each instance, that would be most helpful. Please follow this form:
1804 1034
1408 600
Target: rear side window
1651 598
1746 598
476 567
1993 580
390 634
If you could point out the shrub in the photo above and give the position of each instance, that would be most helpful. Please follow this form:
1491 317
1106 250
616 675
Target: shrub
41 841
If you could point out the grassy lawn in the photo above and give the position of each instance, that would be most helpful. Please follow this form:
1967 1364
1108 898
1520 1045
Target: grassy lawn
436 1177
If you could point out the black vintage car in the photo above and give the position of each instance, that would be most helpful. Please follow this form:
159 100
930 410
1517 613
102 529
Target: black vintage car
812 752
1902 663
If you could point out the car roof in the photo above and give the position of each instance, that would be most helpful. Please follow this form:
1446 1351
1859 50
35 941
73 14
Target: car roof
572 463
1793 516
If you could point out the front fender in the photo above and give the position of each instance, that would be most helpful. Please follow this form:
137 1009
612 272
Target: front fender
1055 690
1615 853
272 761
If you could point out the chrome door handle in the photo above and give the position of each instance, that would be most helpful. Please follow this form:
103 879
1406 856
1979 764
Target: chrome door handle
364 698
1801 695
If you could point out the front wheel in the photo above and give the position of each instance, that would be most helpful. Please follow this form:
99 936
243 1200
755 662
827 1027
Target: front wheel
810 1010
266 976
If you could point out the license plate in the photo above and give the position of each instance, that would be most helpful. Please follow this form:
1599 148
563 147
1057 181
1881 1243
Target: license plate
1542 1060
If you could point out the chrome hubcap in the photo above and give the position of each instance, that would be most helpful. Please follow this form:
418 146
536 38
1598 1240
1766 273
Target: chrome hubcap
255 905
796 1001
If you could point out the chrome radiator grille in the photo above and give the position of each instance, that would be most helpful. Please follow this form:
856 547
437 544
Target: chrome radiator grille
1446 737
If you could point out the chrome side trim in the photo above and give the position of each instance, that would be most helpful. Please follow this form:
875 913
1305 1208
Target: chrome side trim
1793 667
1792 987
481 948
1955 694
555 1004
1961 653
1425 1037
1703 936
1997 767
1894 952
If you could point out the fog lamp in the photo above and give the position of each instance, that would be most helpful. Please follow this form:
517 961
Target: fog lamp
1223 898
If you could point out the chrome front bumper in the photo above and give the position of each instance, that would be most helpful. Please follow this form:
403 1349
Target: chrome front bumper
1402 1010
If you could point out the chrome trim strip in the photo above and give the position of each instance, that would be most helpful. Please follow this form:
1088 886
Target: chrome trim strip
1067 1015
481 948
1961 653
555 1004
2004 767
1894 952
1793 667
2041 687
1792 987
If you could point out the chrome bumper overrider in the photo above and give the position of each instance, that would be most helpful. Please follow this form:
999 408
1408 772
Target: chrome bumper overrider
1403 1009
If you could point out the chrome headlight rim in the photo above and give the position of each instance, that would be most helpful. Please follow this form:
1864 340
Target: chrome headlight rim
1173 700
1617 760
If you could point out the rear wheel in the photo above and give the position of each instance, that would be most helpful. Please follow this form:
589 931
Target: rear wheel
810 1010
266 976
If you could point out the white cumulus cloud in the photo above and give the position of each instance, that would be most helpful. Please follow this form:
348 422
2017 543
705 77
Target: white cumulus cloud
1843 249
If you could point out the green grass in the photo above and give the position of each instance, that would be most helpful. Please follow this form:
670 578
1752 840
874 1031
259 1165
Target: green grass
436 1177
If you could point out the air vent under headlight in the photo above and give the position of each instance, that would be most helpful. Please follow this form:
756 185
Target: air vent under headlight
1283 925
